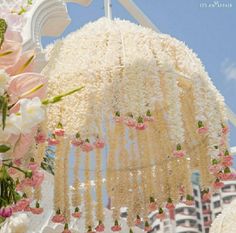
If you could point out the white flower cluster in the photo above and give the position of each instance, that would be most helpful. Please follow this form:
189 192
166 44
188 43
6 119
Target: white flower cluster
120 64
225 222
17 223
31 113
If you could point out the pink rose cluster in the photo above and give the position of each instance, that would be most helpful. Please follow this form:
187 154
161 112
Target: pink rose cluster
139 124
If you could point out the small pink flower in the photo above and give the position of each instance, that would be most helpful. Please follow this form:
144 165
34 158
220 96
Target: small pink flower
59 132
152 206
169 204
179 153
130 122
99 144
37 179
189 202
227 176
86 146
227 160
215 168
148 118
58 218
225 129
116 226
17 162
206 196
202 130
138 221
12 171
52 141
100 227
161 216
37 209
33 166
218 184
22 204
40 138
77 213
77 142
140 126
6 212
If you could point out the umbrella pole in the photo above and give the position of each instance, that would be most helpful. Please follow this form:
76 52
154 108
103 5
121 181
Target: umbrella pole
108 8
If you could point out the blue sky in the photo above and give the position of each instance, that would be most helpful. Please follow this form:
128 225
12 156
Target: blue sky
206 26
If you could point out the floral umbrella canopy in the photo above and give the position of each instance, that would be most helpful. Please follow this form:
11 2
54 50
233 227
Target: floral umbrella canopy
148 116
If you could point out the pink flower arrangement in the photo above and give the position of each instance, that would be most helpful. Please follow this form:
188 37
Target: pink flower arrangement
66 229
59 131
40 138
130 122
140 125
58 218
225 129
201 128
169 204
77 213
148 116
138 220
161 215
52 141
37 209
6 212
189 200
218 184
118 118
99 143
152 204
179 153
22 204
86 146
100 227
206 196
116 227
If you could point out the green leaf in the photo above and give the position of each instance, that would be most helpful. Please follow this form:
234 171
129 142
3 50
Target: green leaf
3 28
4 112
4 148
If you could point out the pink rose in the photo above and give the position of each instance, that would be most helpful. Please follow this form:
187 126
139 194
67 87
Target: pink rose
58 218
202 130
59 132
86 147
140 126
52 142
131 123
36 210
99 144
40 138
179 153
77 142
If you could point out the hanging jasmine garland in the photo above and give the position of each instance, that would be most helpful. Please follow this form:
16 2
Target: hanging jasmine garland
148 96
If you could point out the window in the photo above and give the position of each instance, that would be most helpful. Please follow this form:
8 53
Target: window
197 204
216 204
200 227
198 216
206 230
195 192
205 219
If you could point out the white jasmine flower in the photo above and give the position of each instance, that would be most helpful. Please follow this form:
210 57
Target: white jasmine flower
12 125
17 223
32 113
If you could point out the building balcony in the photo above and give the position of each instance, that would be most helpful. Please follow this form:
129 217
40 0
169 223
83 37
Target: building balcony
207 223
183 229
207 211
183 216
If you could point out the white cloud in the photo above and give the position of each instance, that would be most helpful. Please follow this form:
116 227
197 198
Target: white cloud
228 68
